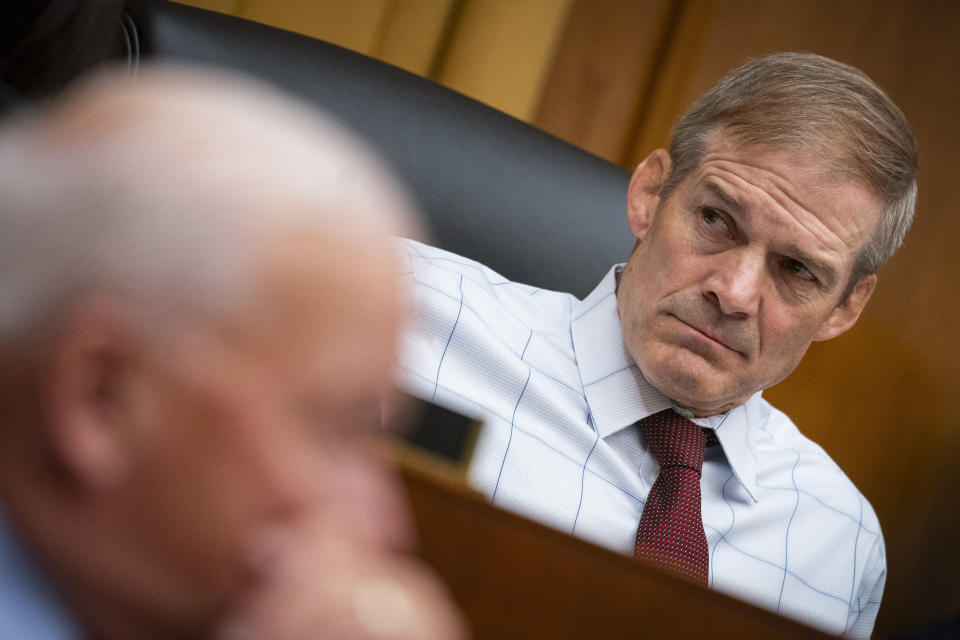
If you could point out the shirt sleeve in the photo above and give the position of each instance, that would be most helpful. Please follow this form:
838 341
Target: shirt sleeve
866 601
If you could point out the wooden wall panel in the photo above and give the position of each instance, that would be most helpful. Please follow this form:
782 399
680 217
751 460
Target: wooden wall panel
407 33
597 90
497 51
882 398
231 7
501 49
356 24
413 34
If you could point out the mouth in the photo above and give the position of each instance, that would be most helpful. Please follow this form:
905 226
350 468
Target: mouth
706 336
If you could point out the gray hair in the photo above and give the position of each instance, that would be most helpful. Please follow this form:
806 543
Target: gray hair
162 191
813 104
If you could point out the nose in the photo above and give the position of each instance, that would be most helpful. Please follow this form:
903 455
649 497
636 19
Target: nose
735 284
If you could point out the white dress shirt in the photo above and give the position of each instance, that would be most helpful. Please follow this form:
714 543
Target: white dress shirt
560 395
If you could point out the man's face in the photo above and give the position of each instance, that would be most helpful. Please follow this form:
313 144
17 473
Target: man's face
738 270
263 426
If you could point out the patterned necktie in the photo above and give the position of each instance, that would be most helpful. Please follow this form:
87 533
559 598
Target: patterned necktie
671 527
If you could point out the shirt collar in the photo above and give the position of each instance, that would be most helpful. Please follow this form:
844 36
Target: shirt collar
737 438
29 606
618 395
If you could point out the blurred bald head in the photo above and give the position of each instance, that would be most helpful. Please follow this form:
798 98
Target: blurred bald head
165 187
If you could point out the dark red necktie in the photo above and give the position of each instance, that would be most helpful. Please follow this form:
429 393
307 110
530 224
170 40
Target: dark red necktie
671 526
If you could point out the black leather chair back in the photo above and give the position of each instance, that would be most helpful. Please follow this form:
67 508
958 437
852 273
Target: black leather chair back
491 187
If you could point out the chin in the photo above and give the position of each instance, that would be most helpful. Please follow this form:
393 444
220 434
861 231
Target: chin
691 387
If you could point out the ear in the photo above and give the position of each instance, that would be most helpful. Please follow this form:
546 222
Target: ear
87 380
845 316
643 193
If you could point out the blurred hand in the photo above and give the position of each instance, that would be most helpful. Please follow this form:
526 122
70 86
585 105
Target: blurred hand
325 585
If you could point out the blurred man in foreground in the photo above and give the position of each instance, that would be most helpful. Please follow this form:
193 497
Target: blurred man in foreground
198 310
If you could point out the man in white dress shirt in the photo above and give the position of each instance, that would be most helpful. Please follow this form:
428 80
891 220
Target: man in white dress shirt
761 230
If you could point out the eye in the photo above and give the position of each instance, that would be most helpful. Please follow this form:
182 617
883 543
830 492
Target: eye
714 225
797 269
712 217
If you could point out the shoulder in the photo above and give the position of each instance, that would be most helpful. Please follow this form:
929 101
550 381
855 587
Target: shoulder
444 282
423 257
791 458
832 536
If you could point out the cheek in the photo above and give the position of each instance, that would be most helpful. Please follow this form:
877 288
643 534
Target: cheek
785 339
198 486
663 267
634 291
239 462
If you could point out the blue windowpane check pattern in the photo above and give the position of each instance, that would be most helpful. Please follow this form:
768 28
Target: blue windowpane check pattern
786 529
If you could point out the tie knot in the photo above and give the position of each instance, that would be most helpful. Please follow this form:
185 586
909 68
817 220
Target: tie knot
674 440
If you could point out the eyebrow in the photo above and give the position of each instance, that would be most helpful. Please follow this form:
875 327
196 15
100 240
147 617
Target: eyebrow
822 269
728 200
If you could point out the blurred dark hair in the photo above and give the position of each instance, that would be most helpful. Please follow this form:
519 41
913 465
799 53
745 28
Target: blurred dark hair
44 44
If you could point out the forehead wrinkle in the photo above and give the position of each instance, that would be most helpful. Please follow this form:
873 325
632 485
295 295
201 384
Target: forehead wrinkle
823 269
728 200
782 196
